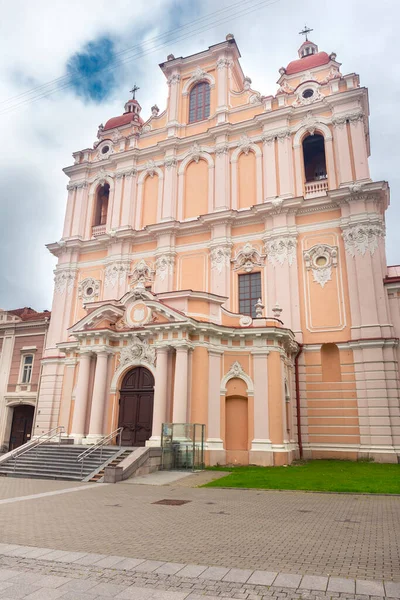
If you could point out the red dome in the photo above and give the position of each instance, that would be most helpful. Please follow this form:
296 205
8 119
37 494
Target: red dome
122 120
308 62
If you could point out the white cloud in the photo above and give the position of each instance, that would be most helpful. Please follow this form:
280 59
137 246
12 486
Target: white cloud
38 38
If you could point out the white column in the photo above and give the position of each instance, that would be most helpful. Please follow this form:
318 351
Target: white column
269 167
222 175
285 159
70 211
116 204
98 398
179 413
215 446
359 146
160 396
79 210
81 397
128 200
168 208
342 152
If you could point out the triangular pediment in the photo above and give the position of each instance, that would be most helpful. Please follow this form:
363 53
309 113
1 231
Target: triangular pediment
102 317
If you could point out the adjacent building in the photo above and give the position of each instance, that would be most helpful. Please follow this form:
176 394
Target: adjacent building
22 341
223 262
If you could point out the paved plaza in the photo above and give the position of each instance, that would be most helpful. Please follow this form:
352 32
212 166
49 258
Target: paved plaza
246 544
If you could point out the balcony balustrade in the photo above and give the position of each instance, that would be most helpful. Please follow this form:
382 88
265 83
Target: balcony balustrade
98 230
316 188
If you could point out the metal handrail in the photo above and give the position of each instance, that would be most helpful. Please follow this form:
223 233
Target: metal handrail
33 444
100 444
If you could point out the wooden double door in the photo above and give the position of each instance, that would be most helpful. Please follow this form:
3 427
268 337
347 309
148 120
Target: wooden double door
21 428
136 406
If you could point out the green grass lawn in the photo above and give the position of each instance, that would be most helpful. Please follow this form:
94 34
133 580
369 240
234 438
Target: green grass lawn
316 475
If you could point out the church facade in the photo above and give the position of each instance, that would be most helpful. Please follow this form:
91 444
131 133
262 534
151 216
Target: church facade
223 263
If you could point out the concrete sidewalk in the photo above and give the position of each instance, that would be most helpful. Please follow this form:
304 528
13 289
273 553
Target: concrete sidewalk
34 573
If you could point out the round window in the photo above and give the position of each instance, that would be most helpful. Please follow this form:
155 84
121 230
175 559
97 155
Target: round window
308 93
89 291
105 149
321 261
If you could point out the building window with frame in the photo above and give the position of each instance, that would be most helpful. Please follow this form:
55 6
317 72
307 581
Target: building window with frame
199 102
249 293
27 363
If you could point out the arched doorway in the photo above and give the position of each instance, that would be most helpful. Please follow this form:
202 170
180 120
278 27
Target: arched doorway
136 406
21 427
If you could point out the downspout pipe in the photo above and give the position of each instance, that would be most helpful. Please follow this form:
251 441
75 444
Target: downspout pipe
296 374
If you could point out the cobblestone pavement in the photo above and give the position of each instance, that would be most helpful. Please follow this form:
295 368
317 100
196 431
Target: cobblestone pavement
76 575
290 532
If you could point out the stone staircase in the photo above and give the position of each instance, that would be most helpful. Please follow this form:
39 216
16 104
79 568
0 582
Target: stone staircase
54 461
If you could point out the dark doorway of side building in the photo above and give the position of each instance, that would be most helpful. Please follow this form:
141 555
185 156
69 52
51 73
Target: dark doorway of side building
21 428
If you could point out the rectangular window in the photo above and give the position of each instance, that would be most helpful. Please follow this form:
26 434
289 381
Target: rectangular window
27 368
249 293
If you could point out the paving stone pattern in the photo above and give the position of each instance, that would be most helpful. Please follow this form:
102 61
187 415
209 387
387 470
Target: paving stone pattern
291 532
68 576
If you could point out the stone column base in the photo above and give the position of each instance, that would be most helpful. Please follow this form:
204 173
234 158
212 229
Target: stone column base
262 458
154 442
92 438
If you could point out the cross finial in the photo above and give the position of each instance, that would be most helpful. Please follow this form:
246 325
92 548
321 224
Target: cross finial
305 32
134 90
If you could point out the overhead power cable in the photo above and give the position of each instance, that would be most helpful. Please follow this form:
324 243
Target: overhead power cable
243 8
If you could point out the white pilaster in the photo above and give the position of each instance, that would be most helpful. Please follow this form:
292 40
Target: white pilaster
179 412
98 398
160 396
81 397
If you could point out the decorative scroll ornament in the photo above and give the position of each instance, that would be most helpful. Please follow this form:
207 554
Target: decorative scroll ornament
304 100
281 249
310 123
351 117
320 259
141 274
115 272
220 258
245 321
255 98
89 289
104 150
244 144
198 74
223 63
165 265
363 237
137 351
247 258
170 162
64 281
194 152
150 168
222 149
174 79
236 370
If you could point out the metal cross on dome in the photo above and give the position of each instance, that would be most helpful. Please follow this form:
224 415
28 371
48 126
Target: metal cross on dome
305 32
134 90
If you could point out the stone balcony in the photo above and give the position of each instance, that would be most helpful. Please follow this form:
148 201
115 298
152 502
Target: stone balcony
316 188
98 230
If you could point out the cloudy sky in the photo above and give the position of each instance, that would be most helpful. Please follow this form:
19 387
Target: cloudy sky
66 41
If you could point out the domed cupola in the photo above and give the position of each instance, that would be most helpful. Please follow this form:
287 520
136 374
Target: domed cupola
307 48
131 114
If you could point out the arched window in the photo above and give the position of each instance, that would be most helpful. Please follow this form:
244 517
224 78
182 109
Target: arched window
330 361
199 102
100 216
314 158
